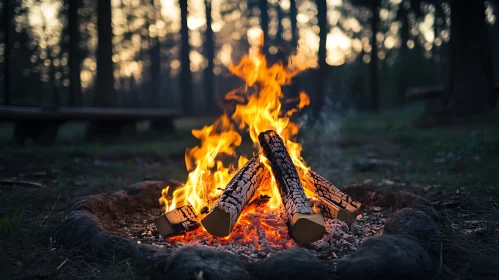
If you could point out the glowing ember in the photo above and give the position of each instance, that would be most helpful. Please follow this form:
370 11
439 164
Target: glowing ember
258 109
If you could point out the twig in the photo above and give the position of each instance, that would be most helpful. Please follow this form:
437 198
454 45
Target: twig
53 206
51 209
11 183
441 254
61 265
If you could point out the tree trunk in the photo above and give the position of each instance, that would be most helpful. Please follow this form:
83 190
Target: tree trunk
321 56
105 94
185 74
155 56
403 56
374 97
471 85
264 23
293 13
7 51
280 28
74 54
209 77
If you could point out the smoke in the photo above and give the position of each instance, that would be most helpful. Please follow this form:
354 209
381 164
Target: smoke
320 137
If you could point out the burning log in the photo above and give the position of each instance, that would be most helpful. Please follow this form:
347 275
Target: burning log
177 221
237 193
304 226
336 203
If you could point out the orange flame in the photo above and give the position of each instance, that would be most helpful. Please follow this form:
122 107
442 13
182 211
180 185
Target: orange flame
258 110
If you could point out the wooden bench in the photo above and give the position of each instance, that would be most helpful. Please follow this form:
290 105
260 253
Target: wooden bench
430 92
42 124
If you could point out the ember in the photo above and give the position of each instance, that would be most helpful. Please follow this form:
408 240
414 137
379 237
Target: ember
278 172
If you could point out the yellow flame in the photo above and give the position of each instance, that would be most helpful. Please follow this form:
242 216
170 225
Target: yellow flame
258 110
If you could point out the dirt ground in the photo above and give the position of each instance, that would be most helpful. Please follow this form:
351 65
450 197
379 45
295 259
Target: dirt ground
455 167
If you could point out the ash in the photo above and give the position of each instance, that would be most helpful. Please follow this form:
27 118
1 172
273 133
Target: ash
256 236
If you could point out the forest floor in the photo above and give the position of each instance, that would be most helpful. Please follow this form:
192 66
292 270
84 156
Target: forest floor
455 167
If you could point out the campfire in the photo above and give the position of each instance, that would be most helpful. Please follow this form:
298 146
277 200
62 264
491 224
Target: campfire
271 195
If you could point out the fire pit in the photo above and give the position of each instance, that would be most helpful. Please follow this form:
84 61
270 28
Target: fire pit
235 212
121 226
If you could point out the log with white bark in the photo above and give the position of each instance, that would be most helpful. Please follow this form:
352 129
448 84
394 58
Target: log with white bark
336 204
222 218
177 221
304 225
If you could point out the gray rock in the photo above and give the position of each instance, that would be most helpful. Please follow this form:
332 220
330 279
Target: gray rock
428 210
293 263
387 257
414 223
204 263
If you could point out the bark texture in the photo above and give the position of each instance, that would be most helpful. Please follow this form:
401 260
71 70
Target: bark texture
177 221
285 174
236 195
303 224
337 205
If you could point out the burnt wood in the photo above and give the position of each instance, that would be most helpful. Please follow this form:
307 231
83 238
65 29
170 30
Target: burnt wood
177 221
222 218
336 204
304 225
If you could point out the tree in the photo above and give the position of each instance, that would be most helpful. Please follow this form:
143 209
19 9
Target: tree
75 93
185 74
264 23
374 96
471 85
321 56
280 27
105 94
373 6
293 13
7 51
155 57
210 56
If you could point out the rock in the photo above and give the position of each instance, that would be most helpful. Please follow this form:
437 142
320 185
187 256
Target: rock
387 257
204 263
414 223
293 263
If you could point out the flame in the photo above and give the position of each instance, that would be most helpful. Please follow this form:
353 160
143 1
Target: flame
259 108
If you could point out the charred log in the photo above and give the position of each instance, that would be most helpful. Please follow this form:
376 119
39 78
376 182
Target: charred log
337 205
236 195
304 225
177 221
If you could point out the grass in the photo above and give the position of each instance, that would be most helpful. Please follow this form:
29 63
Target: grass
444 164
